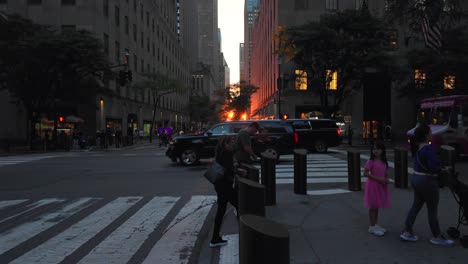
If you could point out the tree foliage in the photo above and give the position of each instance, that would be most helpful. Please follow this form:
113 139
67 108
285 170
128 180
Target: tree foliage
40 66
453 57
240 102
348 42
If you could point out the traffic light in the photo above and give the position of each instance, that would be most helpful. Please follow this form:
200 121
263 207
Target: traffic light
61 119
122 78
129 76
285 116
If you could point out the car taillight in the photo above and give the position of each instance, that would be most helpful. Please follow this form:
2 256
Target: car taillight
338 131
296 137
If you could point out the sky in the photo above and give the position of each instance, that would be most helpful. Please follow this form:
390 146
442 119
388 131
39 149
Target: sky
231 23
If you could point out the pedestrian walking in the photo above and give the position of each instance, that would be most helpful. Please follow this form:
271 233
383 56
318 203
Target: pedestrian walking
243 145
224 187
426 165
376 194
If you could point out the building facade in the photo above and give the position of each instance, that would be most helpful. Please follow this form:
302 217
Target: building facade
150 32
250 14
282 89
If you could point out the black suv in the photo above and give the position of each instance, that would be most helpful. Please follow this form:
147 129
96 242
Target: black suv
275 136
316 134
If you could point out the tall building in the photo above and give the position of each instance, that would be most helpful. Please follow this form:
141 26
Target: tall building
241 62
149 31
270 73
209 47
250 15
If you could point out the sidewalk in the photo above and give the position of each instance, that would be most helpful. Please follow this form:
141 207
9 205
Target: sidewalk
333 228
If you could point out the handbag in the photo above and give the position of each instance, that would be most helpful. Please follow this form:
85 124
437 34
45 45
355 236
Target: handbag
442 175
214 173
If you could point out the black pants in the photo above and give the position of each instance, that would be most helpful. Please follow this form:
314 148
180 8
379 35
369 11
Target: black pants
226 193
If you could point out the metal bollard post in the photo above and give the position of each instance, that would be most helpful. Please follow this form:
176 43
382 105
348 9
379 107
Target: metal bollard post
401 168
252 172
300 171
448 156
354 171
251 198
262 241
269 177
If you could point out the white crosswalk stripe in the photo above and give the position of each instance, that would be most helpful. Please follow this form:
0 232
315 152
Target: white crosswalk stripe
122 230
12 160
321 168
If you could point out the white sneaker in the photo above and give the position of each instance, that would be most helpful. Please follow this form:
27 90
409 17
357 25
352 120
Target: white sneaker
380 228
375 231
442 241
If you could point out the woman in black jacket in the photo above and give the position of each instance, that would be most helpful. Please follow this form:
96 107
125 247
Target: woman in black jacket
224 187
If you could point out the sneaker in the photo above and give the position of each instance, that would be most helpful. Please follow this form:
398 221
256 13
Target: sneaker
218 242
407 236
442 241
380 228
374 230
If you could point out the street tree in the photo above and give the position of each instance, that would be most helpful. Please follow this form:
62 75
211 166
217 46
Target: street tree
44 69
239 102
448 62
345 44
159 85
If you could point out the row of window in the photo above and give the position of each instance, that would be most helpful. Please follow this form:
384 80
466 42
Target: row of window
332 77
39 2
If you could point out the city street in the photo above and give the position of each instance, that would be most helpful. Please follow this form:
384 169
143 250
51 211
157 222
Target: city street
129 206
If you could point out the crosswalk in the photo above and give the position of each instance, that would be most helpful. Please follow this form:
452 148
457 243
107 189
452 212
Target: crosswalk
12 160
321 168
161 229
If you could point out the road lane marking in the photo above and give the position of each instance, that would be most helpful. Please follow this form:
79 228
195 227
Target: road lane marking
57 248
4 161
177 243
17 235
318 180
327 192
5 204
34 206
121 245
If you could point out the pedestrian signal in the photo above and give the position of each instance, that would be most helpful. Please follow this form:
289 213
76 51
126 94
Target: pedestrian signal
61 119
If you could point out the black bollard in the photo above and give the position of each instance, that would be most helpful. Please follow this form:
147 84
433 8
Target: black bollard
448 156
251 199
269 177
354 171
262 241
253 173
300 171
401 168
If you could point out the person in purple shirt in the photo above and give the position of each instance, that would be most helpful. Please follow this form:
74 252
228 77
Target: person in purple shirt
426 164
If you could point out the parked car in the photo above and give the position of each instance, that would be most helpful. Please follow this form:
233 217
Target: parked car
275 136
316 134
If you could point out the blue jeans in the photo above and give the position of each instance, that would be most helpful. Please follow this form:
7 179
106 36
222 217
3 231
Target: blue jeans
426 190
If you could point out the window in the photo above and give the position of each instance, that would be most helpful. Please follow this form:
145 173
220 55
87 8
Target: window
147 19
142 65
142 40
3 2
301 80
126 25
154 50
134 5
331 4
117 52
152 24
68 2
221 130
301 4
106 44
105 7
117 16
134 33
332 79
141 11
419 79
148 44
449 82
359 4
34 2
135 62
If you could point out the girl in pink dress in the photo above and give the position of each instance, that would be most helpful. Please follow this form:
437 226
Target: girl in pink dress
376 194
